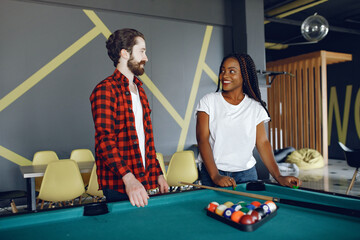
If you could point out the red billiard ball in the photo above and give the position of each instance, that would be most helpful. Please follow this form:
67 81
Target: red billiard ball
256 216
247 219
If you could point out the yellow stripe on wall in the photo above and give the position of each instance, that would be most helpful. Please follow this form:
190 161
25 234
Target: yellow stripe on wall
98 23
48 68
211 74
195 87
161 98
14 157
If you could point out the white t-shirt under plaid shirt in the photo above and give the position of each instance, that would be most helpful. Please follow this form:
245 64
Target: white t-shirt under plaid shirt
232 130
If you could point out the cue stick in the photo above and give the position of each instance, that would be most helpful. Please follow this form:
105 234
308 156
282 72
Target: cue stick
252 195
316 206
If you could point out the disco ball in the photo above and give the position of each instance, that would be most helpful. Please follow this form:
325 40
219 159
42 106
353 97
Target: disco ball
314 28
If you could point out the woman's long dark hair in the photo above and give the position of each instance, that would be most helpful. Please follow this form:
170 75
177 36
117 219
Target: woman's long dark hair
248 73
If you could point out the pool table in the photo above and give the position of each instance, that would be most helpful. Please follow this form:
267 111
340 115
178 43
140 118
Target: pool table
183 216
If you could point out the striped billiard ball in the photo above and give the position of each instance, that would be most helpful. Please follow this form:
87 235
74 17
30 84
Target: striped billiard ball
220 209
212 206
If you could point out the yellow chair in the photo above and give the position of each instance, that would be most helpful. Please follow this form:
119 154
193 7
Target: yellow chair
62 182
93 187
83 155
43 158
160 158
182 168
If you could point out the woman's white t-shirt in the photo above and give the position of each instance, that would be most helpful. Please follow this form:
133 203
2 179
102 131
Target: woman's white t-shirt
232 130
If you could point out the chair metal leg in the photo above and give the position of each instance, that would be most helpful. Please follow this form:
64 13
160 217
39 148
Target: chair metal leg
352 181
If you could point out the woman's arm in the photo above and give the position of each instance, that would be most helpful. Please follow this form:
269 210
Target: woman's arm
264 148
202 136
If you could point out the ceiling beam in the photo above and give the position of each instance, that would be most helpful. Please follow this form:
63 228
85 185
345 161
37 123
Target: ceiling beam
292 8
298 23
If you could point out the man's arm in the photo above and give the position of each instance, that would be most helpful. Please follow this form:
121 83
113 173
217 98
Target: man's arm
135 191
103 104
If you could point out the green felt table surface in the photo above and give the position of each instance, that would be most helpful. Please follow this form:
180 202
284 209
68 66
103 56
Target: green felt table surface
182 216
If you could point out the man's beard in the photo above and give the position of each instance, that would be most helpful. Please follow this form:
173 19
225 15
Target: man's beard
135 67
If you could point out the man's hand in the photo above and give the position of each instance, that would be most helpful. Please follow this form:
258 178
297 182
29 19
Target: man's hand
135 191
163 185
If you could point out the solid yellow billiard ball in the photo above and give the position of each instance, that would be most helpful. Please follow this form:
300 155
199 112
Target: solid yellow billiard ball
228 204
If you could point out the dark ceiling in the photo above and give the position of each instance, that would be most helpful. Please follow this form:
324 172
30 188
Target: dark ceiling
286 17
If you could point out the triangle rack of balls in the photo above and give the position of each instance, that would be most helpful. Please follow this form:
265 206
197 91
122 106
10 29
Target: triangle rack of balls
242 215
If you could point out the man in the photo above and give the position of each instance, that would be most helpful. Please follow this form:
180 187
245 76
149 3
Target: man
124 145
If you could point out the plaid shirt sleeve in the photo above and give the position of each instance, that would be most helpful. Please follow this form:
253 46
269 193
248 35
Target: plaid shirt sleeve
103 104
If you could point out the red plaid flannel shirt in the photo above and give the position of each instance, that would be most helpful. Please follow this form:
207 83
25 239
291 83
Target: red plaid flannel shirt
116 142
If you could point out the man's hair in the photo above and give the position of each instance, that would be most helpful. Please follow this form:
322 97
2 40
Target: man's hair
249 75
121 39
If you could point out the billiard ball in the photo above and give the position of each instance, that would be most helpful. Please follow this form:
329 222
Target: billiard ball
228 204
244 210
256 203
236 207
266 208
220 209
247 219
242 203
256 216
271 205
261 211
228 212
212 206
236 216
250 206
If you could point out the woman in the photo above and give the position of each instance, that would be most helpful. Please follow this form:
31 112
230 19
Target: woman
230 124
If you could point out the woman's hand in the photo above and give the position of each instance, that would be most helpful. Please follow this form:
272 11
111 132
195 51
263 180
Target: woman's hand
288 181
224 181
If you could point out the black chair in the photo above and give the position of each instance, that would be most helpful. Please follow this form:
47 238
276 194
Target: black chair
352 157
